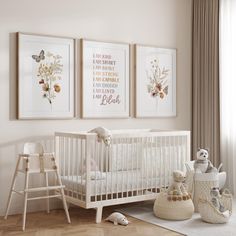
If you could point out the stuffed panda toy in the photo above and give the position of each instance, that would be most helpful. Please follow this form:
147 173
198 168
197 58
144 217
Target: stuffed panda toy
202 164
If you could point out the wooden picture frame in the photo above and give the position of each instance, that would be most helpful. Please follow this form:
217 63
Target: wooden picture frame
105 79
46 77
155 82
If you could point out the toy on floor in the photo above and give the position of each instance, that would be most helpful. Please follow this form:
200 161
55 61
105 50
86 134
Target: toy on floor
117 218
103 135
202 164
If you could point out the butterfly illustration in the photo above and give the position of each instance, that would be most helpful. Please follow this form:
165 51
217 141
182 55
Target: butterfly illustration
165 90
39 57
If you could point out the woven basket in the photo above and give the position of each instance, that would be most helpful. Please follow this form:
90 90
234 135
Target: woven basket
203 182
172 210
212 215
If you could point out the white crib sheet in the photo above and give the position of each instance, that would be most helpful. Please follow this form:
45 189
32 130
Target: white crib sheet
115 182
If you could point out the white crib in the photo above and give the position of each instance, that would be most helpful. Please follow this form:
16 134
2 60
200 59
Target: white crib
134 168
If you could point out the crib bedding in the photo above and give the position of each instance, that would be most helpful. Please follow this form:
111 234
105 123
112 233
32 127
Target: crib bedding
119 181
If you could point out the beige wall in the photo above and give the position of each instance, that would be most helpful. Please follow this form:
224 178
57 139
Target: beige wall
164 23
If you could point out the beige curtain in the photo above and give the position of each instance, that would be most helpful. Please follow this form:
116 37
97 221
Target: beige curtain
206 116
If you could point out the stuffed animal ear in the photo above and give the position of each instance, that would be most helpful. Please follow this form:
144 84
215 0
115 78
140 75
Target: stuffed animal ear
198 149
208 149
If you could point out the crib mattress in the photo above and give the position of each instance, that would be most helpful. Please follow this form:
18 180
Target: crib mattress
115 182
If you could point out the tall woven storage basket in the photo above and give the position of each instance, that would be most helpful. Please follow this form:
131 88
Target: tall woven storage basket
203 182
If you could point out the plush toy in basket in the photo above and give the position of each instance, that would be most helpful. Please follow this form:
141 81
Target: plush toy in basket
176 202
202 164
218 209
202 176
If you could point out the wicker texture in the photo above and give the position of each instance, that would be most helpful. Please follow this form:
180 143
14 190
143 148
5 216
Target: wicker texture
172 210
212 215
202 186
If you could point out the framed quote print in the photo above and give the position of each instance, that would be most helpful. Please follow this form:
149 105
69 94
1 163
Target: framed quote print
155 82
45 77
105 80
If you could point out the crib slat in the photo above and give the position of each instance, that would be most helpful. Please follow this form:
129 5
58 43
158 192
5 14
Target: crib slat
157 169
95 156
82 161
147 162
170 157
122 167
138 164
77 166
101 162
142 169
132 165
88 153
127 163
72 174
106 168
116 169
161 166
110 167
64 157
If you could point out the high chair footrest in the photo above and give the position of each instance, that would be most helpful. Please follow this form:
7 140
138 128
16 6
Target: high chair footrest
44 188
44 197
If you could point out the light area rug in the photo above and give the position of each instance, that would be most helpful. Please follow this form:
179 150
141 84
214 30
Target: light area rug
192 227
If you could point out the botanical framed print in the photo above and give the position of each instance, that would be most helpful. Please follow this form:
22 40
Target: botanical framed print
105 80
155 82
45 77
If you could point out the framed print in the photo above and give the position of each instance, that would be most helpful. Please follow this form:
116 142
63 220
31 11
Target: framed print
155 82
105 80
45 77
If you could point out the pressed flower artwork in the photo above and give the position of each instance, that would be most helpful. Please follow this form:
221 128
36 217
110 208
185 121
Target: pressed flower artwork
46 77
155 82
49 70
158 80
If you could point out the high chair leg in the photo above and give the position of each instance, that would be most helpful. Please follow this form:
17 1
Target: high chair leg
65 205
63 198
11 189
47 199
25 200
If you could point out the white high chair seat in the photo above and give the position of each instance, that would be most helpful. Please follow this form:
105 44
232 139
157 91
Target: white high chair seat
35 160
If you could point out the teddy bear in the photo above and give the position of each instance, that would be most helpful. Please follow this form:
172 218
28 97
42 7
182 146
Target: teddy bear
103 135
202 164
177 187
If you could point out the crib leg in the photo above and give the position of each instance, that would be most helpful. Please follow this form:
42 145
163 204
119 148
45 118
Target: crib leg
99 214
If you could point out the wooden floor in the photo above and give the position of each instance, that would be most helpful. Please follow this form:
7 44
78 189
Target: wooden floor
83 224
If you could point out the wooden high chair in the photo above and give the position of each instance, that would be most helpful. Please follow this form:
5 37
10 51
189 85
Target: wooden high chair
35 161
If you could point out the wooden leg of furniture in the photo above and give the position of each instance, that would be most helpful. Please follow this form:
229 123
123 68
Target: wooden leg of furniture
11 189
47 199
63 197
65 205
25 199
99 214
